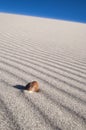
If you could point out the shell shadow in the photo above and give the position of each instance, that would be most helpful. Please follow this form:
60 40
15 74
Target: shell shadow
20 87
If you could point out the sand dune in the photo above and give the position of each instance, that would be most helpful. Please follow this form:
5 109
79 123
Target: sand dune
53 52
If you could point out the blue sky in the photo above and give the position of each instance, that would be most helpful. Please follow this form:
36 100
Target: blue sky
71 10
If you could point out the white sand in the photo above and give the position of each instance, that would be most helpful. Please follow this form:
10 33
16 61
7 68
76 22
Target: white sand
53 52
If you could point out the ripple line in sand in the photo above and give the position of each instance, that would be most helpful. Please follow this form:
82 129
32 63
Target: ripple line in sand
43 62
13 124
49 58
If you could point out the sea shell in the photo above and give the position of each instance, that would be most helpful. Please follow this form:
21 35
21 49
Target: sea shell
32 86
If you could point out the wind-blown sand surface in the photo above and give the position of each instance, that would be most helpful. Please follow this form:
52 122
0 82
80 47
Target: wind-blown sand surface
53 52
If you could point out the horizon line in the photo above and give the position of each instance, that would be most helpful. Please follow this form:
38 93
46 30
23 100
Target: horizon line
23 14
